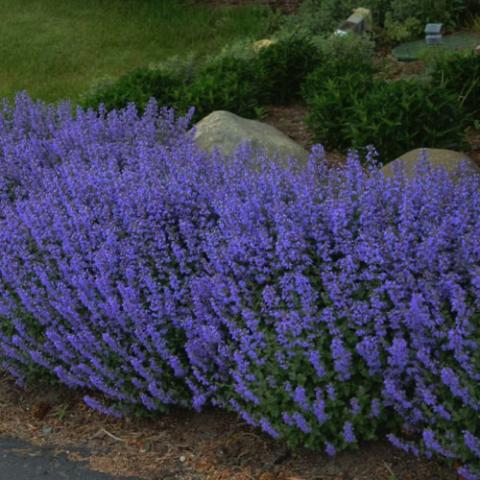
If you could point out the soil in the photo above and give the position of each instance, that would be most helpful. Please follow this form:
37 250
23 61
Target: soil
184 445
291 121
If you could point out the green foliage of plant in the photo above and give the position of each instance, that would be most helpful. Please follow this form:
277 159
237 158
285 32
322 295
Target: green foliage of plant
225 84
347 49
341 57
397 31
329 100
476 24
284 65
396 20
137 86
448 12
401 115
459 73
239 79
393 116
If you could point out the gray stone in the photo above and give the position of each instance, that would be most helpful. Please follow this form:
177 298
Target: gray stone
226 131
436 156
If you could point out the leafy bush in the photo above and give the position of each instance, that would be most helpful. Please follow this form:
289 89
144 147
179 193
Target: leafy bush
397 31
284 65
340 57
347 50
395 116
324 305
224 84
460 75
410 112
329 100
137 86
239 79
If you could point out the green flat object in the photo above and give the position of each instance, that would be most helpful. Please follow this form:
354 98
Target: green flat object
456 41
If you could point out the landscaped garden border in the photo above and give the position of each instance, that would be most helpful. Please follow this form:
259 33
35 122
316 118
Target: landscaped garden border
311 302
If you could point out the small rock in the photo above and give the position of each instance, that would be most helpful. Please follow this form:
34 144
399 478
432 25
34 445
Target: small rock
436 156
265 42
182 458
46 430
225 130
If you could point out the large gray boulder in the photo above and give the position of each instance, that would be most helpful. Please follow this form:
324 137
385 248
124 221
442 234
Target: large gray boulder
436 156
226 131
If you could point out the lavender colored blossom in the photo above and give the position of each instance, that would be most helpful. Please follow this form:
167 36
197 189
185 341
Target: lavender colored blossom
300 398
267 428
141 268
348 434
301 423
330 450
472 442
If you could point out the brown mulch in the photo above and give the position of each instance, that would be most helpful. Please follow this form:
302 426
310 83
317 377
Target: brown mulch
184 445
291 121
393 69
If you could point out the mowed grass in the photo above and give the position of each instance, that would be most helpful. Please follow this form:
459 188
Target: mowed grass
56 49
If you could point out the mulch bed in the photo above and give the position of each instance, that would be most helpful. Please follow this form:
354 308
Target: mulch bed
184 445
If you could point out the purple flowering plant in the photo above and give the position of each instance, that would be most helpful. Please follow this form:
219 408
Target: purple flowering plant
324 305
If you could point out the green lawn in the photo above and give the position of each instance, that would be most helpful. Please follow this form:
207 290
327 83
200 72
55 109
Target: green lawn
55 49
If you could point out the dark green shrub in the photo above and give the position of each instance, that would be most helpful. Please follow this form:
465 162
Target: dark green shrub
329 99
402 115
238 79
137 86
224 84
397 31
460 75
345 48
340 57
284 65
392 116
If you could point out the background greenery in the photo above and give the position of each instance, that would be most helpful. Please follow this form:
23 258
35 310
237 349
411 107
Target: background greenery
56 49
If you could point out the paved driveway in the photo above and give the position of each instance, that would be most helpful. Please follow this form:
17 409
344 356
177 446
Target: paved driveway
21 461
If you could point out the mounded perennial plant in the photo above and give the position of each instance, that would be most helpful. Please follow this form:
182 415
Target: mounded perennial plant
324 305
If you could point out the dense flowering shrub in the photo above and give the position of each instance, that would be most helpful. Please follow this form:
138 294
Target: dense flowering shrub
98 245
324 305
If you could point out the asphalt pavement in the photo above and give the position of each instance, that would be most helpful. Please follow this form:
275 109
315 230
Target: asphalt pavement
20 460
